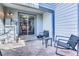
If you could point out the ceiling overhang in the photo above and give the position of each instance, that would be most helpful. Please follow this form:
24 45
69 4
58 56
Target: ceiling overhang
22 7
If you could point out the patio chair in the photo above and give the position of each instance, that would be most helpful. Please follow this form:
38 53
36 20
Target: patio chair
43 34
45 37
70 45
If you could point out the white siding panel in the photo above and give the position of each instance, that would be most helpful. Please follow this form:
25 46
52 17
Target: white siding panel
66 19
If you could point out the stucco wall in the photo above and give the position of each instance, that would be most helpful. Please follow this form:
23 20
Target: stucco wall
38 24
47 23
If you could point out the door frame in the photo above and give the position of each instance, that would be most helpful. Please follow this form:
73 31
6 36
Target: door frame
20 19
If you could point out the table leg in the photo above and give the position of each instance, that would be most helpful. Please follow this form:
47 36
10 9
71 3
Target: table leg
46 43
51 41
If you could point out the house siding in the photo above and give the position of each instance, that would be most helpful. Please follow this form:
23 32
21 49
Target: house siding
66 19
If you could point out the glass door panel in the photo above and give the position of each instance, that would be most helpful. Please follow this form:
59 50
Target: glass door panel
27 26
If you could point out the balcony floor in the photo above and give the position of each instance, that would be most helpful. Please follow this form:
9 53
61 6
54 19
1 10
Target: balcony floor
35 48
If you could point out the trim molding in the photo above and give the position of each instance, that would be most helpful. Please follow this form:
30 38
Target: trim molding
46 9
78 17
40 8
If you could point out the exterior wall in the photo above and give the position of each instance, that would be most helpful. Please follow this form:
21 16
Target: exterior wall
7 21
48 7
38 24
1 22
44 22
14 21
66 19
47 23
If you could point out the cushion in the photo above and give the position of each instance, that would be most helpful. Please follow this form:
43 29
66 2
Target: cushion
73 40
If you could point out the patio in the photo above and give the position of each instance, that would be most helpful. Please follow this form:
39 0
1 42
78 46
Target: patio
31 21
34 48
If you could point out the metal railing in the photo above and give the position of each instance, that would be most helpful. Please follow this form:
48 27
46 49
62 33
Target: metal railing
9 33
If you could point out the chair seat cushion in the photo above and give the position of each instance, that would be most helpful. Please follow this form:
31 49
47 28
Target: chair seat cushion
65 45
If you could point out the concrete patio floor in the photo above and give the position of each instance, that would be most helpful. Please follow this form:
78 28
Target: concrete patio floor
35 48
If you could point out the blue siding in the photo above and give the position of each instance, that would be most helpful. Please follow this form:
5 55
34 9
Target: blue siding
48 5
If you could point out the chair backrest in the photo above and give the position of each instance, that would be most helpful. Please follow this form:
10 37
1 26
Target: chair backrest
73 40
46 33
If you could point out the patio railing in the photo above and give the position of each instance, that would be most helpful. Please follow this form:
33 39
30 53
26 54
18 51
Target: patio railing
9 35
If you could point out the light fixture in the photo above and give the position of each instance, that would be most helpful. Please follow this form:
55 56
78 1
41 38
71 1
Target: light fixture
9 15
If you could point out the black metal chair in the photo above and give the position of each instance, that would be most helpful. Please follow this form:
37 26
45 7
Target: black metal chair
71 44
45 37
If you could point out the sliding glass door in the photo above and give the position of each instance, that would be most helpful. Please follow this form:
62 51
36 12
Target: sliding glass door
26 25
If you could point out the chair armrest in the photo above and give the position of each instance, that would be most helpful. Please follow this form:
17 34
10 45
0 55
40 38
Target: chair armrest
62 36
62 40
56 40
47 38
